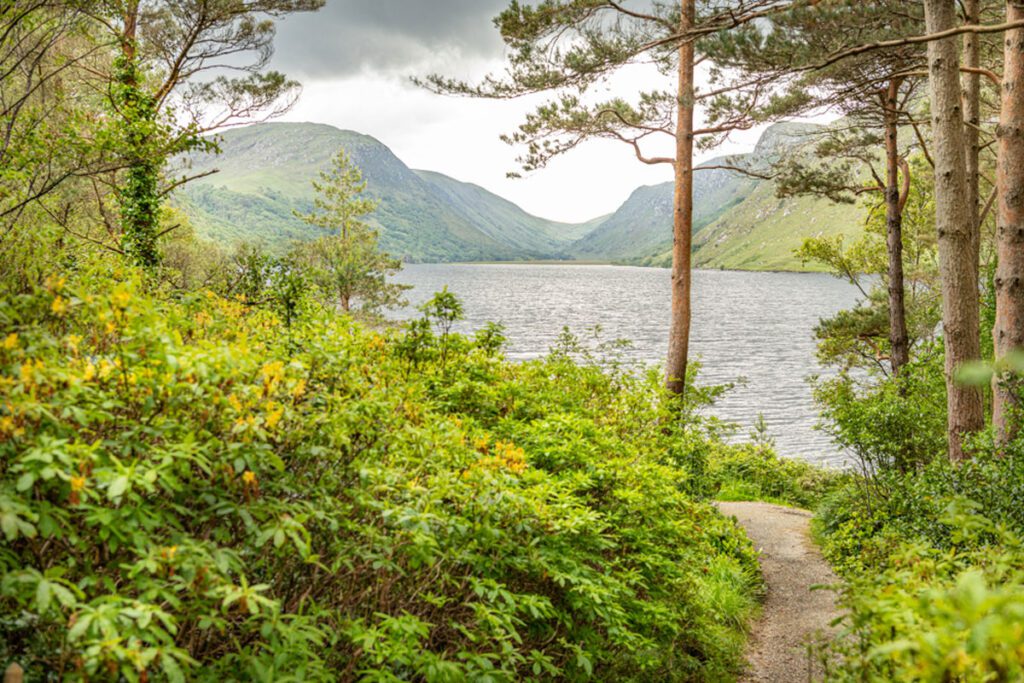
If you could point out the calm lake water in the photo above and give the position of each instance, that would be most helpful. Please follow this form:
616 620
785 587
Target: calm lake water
752 326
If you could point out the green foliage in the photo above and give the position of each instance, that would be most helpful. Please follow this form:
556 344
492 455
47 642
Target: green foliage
186 494
936 617
755 472
140 138
338 204
935 571
886 422
352 272
347 265
891 424
859 338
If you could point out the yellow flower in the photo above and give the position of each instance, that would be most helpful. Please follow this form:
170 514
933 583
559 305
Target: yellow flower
235 403
7 425
249 477
28 370
299 389
54 283
273 416
121 298
89 373
169 552
73 341
106 368
77 483
59 305
11 342
272 371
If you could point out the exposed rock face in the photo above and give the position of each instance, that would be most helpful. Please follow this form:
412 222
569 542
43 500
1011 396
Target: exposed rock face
738 220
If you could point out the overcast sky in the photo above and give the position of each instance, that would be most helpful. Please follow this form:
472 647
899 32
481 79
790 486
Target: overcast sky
355 59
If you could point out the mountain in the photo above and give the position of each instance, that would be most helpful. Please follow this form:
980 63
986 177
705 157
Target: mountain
638 227
265 172
738 221
502 220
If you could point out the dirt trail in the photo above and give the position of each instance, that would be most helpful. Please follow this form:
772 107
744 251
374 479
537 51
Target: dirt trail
793 613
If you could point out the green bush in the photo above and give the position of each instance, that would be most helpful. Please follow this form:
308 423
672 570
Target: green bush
752 472
927 614
935 570
188 493
889 423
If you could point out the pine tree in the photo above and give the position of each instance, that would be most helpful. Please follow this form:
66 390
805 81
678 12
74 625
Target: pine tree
1008 335
571 47
955 225
347 266
875 93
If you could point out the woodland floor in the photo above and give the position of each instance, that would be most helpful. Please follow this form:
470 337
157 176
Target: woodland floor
793 613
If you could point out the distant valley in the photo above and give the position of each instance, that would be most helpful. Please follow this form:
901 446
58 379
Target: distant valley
264 174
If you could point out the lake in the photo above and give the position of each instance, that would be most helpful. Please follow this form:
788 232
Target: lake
757 326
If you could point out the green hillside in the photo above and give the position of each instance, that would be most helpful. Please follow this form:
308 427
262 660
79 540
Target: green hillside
264 174
644 221
505 222
739 223
762 232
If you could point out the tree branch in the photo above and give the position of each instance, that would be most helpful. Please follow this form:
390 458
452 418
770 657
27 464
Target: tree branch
737 169
178 183
914 40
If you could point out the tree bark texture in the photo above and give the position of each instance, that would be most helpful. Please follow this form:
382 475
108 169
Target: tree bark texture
972 109
682 224
958 267
899 345
1008 334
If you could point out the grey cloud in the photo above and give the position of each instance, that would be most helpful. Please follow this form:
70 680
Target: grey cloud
348 36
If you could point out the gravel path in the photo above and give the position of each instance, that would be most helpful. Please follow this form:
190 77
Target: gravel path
793 613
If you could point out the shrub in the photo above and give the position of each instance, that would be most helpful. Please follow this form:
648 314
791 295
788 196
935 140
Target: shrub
927 614
891 423
935 570
752 472
186 493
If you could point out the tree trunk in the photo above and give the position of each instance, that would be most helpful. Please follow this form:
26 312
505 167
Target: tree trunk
958 262
1008 334
900 347
682 224
972 112
138 194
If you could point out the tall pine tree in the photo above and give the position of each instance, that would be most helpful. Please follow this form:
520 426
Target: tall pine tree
568 47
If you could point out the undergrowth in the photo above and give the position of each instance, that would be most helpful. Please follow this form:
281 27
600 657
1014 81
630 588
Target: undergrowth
196 488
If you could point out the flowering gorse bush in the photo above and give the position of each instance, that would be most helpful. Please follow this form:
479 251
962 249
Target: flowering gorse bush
188 493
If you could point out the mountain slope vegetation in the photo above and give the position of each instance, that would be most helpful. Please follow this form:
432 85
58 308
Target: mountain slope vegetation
739 222
264 172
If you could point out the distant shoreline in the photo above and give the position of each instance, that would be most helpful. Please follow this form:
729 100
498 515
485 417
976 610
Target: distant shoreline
554 262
